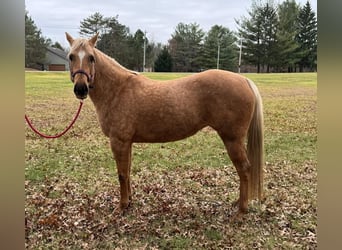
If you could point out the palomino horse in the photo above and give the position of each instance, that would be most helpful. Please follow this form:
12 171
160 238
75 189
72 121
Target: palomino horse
132 108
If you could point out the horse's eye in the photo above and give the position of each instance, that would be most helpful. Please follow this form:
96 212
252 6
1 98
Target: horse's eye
71 57
91 59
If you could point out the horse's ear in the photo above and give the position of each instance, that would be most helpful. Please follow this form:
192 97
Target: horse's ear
93 40
69 38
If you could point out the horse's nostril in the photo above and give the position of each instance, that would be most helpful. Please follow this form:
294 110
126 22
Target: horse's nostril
80 89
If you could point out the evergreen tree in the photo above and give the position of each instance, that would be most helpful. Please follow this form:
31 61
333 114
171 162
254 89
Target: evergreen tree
93 24
287 45
219 40
259 35
116 42
250 32
164 61
35 44
185 47
138 50
307 37
269 19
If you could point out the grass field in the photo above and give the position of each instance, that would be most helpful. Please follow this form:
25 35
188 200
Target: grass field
183 191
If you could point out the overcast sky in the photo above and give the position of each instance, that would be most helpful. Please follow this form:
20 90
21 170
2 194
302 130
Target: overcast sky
158 17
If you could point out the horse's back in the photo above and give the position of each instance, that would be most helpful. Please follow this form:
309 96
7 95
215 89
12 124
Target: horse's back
213 84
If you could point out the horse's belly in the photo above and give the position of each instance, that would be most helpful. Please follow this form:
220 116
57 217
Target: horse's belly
165 132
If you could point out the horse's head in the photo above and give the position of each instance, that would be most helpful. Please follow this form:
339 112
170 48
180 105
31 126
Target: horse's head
82 64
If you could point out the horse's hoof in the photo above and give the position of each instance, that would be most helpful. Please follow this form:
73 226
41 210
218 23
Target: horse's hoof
236 203
122 208
119 211
237 217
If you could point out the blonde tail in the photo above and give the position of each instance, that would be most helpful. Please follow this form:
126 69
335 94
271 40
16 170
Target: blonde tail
255 148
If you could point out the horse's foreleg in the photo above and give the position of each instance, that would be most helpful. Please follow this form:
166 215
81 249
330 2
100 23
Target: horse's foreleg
237 153
122 154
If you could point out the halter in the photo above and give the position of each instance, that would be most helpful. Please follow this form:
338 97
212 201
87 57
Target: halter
81 71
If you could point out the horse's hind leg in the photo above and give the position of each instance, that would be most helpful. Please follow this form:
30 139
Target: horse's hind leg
122 154
237 153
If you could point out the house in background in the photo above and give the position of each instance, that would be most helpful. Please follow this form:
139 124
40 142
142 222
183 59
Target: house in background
56 60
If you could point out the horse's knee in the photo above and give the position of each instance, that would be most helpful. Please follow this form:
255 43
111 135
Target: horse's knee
243 169
241 163
238 156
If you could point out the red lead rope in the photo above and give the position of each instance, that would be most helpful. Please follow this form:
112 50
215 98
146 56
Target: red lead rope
57 135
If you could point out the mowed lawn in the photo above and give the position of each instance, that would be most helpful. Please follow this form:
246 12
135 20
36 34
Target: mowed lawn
182 191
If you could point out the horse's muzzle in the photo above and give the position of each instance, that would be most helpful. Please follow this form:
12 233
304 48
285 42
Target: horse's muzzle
81 90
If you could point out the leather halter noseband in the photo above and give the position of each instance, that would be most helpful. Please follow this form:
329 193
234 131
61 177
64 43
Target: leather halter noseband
81 71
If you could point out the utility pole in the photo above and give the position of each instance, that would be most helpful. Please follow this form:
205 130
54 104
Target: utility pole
218 50
144 60
218 55
240 54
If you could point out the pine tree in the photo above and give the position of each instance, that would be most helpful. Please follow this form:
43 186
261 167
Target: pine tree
35 44
164 61
250 31
93 24
116 41
138 49
259 35
269 29
222 39
185 47
307 37
287 45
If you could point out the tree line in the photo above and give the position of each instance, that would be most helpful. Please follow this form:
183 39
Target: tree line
273 38
279 38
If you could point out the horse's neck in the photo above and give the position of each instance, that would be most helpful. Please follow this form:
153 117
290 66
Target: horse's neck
110 77
108 67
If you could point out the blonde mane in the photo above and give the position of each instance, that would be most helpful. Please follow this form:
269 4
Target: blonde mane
116 63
